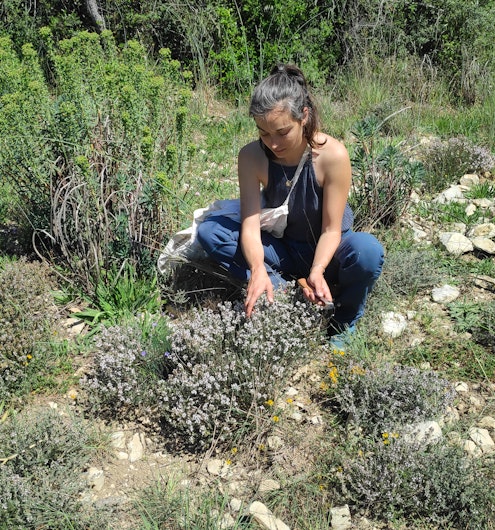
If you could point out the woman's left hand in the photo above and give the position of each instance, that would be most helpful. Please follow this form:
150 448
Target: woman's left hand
321 292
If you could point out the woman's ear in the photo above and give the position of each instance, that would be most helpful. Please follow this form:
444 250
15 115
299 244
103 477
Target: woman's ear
305 116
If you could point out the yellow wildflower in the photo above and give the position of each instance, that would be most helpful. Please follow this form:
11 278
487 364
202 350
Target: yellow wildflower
228 462
333 375
29 356
269 402
324 386
233 450
276 419
289 400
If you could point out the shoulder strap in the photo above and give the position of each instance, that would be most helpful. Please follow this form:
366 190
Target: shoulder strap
295 178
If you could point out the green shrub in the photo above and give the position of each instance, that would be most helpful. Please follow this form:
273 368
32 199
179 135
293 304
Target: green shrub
129 359
399 480
27 318
42 456
383 177
388 397
446 161
223 367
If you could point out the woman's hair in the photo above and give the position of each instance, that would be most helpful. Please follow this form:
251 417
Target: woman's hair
286 87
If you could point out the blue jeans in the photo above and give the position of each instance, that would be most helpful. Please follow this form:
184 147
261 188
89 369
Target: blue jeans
351 274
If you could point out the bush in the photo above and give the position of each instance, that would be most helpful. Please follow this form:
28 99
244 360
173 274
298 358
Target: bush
27 318
129 360
42 454
225 367
383 399
395 479
383 178
446 161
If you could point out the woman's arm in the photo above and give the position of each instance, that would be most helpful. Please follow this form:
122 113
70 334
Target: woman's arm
335 167
250 167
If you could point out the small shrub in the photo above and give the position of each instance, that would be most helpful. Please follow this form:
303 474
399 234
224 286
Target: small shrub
224 367
129 360
407 272
381 399
383 178
42 454
446 161
27 318
396 479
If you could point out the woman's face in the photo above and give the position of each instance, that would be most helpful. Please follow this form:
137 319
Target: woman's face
282 134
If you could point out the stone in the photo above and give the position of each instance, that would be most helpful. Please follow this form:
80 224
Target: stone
135 447
461 387
483 230
456 243
214 466
393 324
482 438
95 478
470 209
426 432
227 521
472 449
268 484
445 294
484 244
265 518
235 505
291 392
117 440
469 180
452 194
487 422
274 442
341 517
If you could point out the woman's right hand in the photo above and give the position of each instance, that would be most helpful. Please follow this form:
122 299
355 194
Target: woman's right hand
258 284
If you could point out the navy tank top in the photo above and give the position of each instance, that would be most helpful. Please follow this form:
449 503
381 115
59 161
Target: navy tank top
305 202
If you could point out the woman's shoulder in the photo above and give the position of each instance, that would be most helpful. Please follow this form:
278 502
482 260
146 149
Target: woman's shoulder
252 156
329 150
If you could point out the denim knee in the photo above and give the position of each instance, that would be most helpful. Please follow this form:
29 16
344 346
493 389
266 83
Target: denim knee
363 254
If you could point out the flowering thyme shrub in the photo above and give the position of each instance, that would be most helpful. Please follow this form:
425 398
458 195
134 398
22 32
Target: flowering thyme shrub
381 399
27 317
447 160
225 366
395 478
128 361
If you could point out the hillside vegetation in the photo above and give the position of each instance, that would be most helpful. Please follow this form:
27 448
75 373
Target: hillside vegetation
117 120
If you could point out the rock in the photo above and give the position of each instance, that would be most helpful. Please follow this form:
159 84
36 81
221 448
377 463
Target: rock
341 517
227 521
472 449
483 230
484 244
461 387
482 438
316 420
455 243
214 466
393 324
469 180
470 209
445 294
235 505
274 442
95 478
136 447
117 440
268 485
487 422
424 433
296 416
264 517
483 203
452 194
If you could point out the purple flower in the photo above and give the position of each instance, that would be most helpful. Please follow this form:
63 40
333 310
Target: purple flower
143 353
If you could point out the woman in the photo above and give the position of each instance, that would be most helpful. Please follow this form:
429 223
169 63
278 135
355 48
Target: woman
318 243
